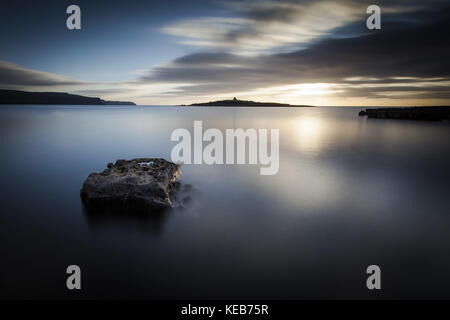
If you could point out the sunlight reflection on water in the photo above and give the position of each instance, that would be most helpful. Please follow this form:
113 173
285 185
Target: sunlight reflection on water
350 192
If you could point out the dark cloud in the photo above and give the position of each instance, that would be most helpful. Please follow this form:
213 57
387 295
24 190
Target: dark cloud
414 44
13 76
264 13
398 92
409 54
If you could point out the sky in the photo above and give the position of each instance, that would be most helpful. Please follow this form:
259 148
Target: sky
179 52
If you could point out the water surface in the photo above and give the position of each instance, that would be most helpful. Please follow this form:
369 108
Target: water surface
350 192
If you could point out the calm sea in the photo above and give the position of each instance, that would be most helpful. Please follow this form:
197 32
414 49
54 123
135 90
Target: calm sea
350 192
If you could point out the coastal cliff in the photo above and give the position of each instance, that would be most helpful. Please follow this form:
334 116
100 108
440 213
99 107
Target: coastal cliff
24 97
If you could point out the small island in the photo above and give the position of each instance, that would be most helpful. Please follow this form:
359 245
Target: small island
62 98
241 103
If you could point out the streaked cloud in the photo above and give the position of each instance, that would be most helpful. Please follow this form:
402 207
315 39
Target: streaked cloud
405 56
14 76
302 52
265 25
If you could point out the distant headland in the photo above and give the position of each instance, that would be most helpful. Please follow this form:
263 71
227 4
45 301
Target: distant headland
241 103
24 97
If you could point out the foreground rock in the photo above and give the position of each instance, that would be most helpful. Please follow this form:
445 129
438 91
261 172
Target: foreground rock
411 113
138 184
